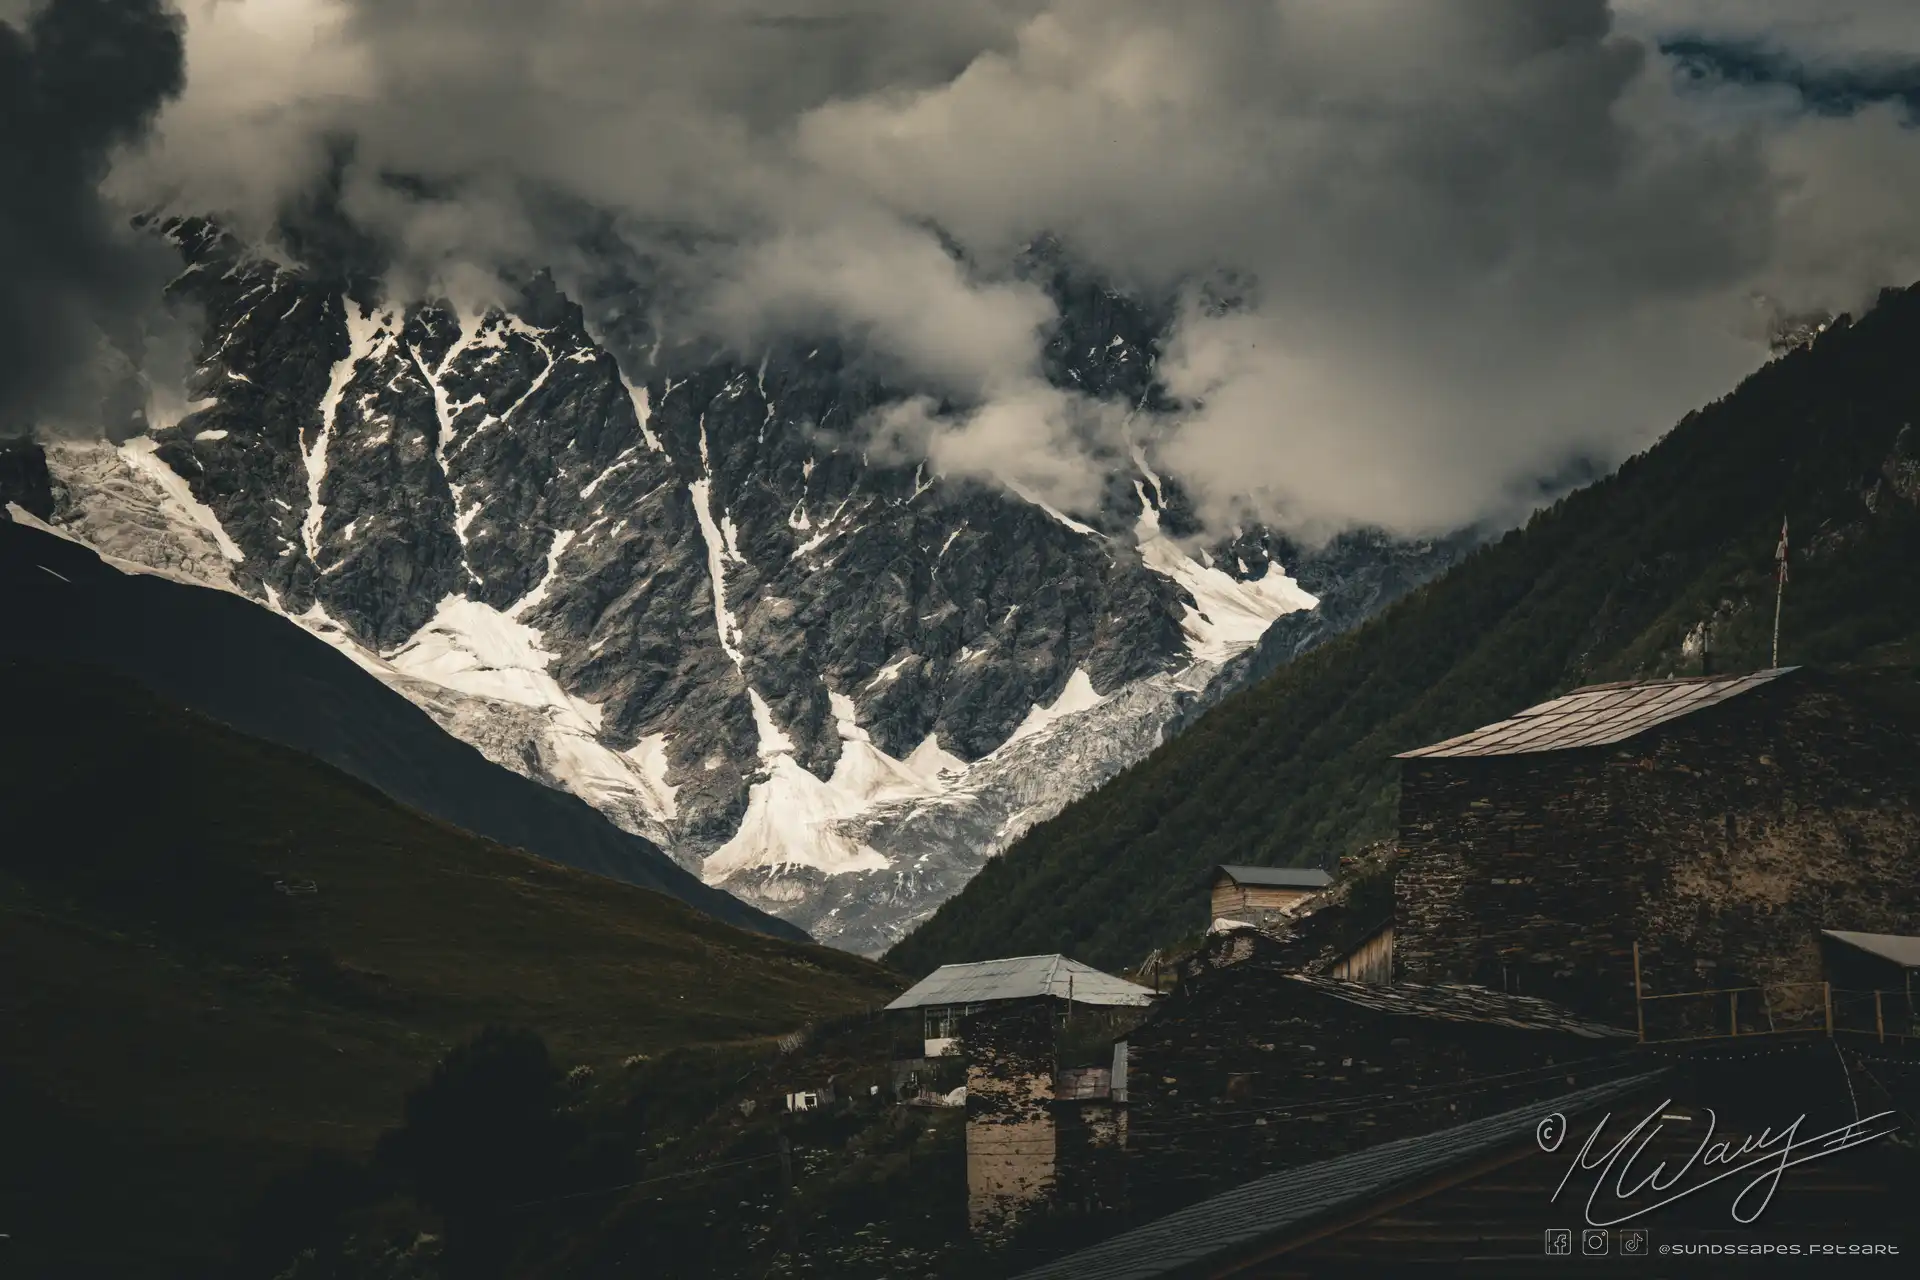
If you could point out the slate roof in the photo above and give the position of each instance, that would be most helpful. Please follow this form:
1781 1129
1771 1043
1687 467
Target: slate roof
1598 715
1462 1003
1277 877
1270 1207
1901 950
1021 978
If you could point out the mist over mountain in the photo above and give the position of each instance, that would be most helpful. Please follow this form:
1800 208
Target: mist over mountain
829 441
1664 568
633 565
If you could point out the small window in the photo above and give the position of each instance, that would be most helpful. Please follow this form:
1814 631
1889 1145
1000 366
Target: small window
943 1024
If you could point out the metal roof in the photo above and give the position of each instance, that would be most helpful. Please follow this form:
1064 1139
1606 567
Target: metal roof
1272 1206
1021 978
1901 950
1279 877
1598 715
1462 1003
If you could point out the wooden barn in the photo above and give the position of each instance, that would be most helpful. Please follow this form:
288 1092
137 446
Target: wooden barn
1256 895
1370 959
1718 824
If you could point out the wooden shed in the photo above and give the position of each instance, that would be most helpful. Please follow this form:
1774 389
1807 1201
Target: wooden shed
1253 894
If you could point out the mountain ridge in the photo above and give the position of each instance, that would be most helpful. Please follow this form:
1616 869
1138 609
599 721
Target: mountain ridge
226 657
667 579
1646 572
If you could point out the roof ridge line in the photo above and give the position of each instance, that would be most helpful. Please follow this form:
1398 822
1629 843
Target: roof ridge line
967 964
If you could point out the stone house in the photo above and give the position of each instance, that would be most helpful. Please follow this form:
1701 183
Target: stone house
1266 1220
1488 1197
1023 1026
1041 1136
1716 823
949 994
1257 1066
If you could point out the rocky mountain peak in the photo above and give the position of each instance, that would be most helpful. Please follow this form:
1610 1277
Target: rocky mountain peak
673 581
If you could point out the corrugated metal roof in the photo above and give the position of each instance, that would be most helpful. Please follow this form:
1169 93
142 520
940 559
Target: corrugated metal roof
1901 950
1462 1003
1292 1198
1021 978
1279 877
1597 715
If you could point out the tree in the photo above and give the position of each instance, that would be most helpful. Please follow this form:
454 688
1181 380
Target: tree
481 1137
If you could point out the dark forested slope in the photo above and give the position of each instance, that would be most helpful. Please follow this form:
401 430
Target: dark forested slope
1612 581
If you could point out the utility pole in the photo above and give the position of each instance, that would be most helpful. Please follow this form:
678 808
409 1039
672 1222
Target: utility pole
789 1231
1639 1000
1780 588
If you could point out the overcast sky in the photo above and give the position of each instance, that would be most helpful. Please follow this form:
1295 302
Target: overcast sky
1488 236
77 80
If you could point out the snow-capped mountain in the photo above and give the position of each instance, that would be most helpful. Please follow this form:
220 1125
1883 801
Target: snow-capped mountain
661 578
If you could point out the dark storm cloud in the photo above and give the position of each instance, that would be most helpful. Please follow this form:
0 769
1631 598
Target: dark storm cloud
1489 237
78 78
1822 86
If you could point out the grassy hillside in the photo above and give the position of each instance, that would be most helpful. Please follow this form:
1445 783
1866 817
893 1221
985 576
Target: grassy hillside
223 655
1607 583
174 1028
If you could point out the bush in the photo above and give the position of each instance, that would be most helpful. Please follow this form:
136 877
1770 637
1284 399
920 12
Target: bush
481 1138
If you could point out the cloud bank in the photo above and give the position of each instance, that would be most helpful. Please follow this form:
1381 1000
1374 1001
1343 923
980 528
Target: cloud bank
1486 237
78 79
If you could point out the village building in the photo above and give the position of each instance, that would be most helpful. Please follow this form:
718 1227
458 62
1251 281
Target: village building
1257 1066
1344 930
1368 960
1042 1077
1364 1063
1261 895
1258 1223
1713 826
954 991
1485 1197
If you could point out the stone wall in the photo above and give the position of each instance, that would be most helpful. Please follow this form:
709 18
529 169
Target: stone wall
1499 858
1721 842
1246 1070
1011 1135
1092 1147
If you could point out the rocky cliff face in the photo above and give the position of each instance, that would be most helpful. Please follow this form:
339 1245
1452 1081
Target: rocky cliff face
668 580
